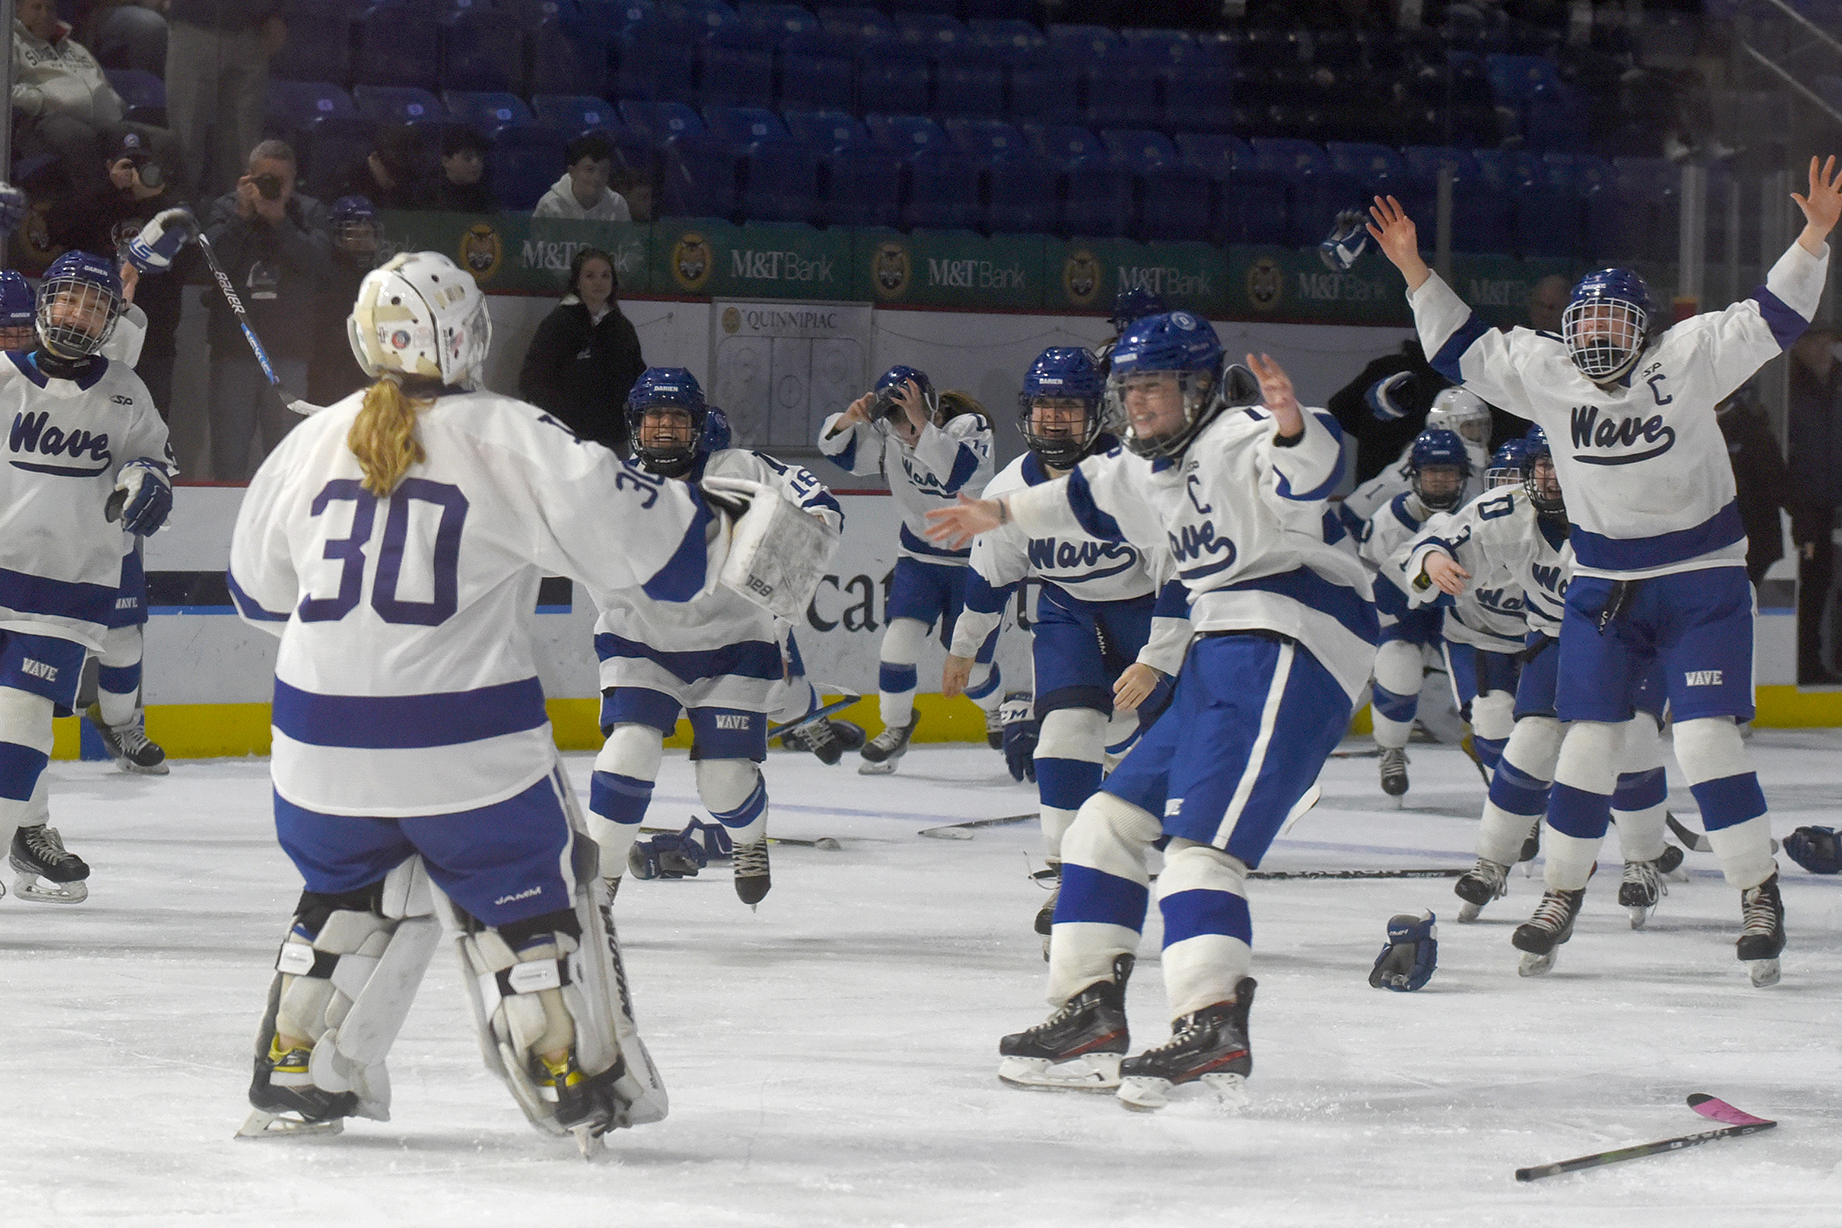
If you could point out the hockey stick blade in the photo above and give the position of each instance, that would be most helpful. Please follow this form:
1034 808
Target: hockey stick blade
1715 1108
1600 1158
824 710
962 831
1427 872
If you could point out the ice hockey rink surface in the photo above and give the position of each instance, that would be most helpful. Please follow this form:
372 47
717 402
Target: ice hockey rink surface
831 1058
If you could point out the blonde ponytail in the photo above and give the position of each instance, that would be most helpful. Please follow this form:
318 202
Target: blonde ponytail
383 436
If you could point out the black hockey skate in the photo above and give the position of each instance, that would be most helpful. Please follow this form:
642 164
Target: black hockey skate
1531 845
1551 925
1393 763
586 1107
1208 1046
1045 916
129 745
1640 890
825 738
1077 1048
882 752
1669 865
752 879
1486 881
286 1100
1761 931
38 853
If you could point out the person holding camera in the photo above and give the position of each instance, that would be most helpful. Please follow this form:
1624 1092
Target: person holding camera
275 248
929 447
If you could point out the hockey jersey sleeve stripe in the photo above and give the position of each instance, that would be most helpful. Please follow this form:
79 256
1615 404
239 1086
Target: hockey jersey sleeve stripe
748 659
1598 552
248 606
847 459
1446 360
1087 512
1786 323
982 598
1308 588
408 722
965 464
29 594
1173 601
685 573
922 546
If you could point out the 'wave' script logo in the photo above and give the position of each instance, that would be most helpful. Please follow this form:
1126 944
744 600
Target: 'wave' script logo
30 435
1049 554
1592 431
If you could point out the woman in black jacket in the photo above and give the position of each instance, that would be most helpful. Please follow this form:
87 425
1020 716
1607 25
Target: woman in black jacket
585 355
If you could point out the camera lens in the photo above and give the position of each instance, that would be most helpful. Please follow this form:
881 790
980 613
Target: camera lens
269 186
150 173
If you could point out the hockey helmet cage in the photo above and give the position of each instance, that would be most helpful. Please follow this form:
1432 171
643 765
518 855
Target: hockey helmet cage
1438 449
1547 504
1605 323
1062 373
420 315
1183 344
660 388
890 382
1506 464
18 312
79 300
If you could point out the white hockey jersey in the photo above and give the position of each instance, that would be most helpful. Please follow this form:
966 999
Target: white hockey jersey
718 649
1505 546
1649 487
1397 479
1385 535
1244 521
1086 567
405 684
60 558
944 461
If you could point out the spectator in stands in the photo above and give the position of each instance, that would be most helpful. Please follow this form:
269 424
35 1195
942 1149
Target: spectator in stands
1815 490
128 34
217 80
1385 406
585 356
583 191
461 187
357 236
390 176
63 103
1547 301
105 219
637 191
275 248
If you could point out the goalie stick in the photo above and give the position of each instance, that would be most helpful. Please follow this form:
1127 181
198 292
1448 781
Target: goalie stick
1739 1123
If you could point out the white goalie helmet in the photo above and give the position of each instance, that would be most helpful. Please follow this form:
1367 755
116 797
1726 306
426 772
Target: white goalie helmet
421 315
1463 413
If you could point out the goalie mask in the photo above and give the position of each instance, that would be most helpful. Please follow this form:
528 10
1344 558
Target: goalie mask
18 312
1538 477
670 444
79 301
1165 382
1605 323
1060 405
421 315
1438 468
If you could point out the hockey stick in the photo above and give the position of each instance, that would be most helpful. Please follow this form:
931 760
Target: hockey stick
1706 1105
1373 752
1698 841
837 705
288 400
962 831
1429 872
830 844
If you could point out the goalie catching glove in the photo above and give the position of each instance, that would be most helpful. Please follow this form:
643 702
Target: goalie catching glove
1407 962
777 553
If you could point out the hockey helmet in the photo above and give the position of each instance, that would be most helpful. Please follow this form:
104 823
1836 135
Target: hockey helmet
884 407
79 301
1061 377
716 436
1506 464
1544 491
355 224
1132 305
18 312
420 315
1462 412
1175 343
658 390
1438 467
1605 323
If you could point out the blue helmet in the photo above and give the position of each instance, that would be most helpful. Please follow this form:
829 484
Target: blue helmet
1438 449
1183 344
1134 304
890 382
716 435
1062 372
660 388
1605 323
1547 502
354 220
18 305
84 292
1506 464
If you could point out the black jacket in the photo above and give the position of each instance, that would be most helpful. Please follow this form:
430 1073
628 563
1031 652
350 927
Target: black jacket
276 270
581 372
1761 481
333 373
101 221
461 197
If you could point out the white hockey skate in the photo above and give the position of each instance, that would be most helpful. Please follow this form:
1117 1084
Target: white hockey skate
38 854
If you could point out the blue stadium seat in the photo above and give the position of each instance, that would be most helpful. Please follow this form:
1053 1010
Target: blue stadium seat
143 93
1592 181
1096 199
569 55
1288 154
743 126
862 26
1197 98
1023 194
293 106
573 113
698 178
657 68
827 131
1084 44
660 121
1045 88
1159 45
737 69
482 49
1215 152
1175 203
1373 165
818 72
773 24
1003 42
397 46
985 138
1648 190
486 112
780 182
1139 148
864 187
319 45
1513 77
324 150
1424 161
398 104
1255 208
890 84
934 36
907 135
524 161
931 8
998 10
1555 117
944 191
967 88
700 16
1062 142
1120 93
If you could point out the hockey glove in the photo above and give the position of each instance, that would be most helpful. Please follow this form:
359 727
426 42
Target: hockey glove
1384 396
144 496
1349 238
670 855
153 250
12 207
1816 849
1407 962
1021 728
